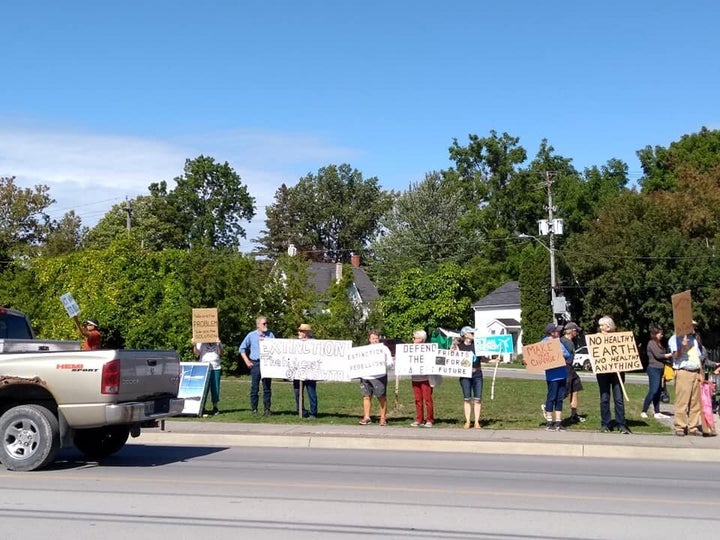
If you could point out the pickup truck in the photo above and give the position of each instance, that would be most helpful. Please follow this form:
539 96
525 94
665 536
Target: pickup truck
53 395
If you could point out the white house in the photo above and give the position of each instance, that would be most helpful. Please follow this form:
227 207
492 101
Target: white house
499 313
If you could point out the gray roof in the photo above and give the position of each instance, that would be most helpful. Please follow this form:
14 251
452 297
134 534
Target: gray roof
509 323
505 296
322 275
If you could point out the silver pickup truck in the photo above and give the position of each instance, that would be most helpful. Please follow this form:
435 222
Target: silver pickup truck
53 395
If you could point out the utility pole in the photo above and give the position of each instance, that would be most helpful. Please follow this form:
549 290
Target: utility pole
559 306
128 211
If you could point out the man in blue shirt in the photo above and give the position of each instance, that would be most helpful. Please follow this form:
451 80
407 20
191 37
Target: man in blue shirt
250 352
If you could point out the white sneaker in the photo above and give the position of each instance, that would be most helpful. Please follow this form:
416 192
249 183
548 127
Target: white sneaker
542 408
416 424
428 424
644 415
660 415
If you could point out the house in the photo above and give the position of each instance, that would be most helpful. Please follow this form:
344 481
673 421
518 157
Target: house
499 313
362 291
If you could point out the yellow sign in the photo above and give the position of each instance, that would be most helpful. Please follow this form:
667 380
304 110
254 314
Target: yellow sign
682 313
205 325
542 356
613 352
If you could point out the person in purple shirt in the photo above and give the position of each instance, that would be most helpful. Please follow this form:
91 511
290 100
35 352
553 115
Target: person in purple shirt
250 353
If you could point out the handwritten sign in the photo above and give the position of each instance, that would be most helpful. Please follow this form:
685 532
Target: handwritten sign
614 352
70 304
496 344
682 313
429 359
368 361
539 357
305 359
205 325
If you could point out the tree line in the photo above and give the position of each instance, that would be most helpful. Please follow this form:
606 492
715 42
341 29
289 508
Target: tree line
432 249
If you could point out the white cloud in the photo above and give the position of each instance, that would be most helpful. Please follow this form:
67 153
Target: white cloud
89 172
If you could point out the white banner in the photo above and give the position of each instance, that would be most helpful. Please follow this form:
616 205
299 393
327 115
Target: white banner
368 361
312 359
428 359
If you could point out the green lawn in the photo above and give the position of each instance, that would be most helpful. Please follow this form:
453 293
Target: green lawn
516 405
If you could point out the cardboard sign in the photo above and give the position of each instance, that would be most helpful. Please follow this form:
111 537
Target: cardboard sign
682 313
492 345
613 352
368 361
70 304
305 359
205 325
544 355
429 359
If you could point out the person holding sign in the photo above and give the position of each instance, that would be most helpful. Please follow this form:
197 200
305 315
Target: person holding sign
687 353
556 379
210 353
250 353
611 382
305 332
422 391
375 386
573 385
658 358
471 386
89 329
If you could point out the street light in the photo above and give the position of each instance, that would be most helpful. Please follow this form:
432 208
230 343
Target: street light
557 304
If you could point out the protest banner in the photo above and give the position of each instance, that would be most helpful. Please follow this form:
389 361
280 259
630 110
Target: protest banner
682 313
494 344
302 360
613 352
70 305
368 361
205 325
541 356
429 359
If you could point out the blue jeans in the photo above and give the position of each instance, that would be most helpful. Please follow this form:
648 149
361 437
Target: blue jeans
608 382
255 387
654 379
311 388
555 395
472 386
214 380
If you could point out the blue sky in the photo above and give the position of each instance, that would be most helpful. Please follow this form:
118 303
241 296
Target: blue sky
99 99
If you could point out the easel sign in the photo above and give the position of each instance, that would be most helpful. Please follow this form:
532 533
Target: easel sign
205 325
194 377
682 313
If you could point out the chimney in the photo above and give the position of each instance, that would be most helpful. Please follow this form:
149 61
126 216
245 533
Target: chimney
355 260
338 272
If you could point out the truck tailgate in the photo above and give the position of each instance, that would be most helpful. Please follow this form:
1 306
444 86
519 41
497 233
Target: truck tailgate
148 374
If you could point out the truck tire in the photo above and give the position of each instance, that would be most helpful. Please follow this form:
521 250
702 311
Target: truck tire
30 437
98 443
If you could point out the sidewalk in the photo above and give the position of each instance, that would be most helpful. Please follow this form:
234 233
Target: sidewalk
438 439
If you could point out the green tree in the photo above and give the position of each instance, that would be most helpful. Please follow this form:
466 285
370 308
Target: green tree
340 318
24 223
535 292
332 214
64 236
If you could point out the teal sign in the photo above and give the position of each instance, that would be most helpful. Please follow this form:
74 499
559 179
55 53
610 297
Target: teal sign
489 345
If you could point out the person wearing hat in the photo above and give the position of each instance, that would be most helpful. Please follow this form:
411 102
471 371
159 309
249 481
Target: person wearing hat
471 386
304 333
90 330
573 386
556 379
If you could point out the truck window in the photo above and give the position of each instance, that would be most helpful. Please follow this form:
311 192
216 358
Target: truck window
14 327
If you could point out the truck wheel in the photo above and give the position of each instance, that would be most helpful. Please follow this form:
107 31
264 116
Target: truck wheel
30 437
101 442
587 366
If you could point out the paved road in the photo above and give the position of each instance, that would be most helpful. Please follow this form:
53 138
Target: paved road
270 493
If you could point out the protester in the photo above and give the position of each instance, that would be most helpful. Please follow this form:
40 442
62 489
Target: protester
210 353
471 386
422 391
610 383
90 330
687 353
658 358
250 353
304 333
556 379
573 385
375 386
